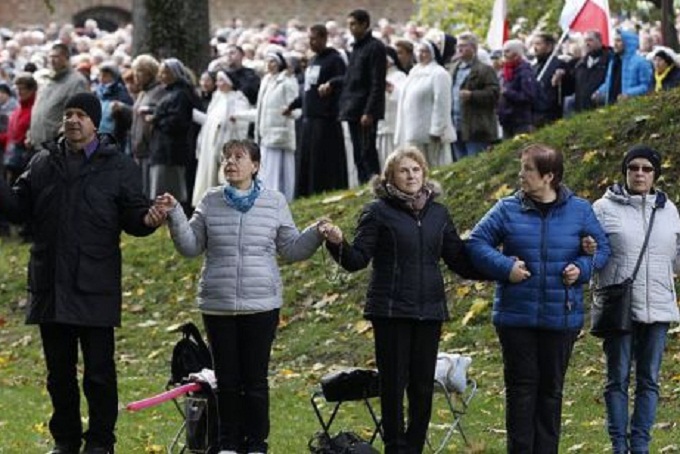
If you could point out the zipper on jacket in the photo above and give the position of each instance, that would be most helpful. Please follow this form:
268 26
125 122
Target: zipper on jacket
544 253
239 261
645 226
420 264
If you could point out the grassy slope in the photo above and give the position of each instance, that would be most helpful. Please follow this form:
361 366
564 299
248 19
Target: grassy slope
322 325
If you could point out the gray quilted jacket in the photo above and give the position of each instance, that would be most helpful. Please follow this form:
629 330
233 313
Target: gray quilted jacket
625 218
240 272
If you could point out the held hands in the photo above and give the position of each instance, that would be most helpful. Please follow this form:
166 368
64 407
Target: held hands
519 272
165 203
331 232
154 217
570 274
589 245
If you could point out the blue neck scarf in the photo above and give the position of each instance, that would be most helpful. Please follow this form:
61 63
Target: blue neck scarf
243 202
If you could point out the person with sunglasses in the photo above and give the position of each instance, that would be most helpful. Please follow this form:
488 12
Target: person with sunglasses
625 211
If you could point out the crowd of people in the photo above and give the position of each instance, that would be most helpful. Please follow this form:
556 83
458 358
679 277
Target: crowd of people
96 142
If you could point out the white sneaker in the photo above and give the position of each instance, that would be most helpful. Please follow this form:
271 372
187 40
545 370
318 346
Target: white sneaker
227 452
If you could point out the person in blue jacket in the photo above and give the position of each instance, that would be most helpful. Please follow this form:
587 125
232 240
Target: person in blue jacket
538 307
628 74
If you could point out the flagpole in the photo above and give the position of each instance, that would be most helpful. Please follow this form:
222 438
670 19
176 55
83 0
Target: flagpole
552 55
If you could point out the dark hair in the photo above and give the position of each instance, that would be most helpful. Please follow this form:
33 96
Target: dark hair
26 80
547 38
63 48
361 16
319 29
547 160
246 145
30 67
662 54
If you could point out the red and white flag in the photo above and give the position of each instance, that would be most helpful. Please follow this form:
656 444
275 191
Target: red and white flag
499 29
588 15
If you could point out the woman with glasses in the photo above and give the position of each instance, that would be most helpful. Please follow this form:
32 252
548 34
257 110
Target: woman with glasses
530 243
241 227
625 212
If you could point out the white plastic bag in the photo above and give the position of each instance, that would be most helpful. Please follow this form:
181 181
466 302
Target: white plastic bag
451 371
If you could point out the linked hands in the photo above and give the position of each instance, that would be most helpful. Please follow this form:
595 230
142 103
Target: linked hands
330 232
519 271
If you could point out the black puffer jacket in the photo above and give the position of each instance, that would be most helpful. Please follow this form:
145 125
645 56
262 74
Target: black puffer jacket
74 274
406 281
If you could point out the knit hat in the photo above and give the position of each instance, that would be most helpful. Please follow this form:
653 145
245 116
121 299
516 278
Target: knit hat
88 103
642 151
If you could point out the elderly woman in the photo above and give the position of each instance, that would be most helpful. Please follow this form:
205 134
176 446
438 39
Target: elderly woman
424 108
518 91
406 233
219 127
666 71
171 144
241 227
538 309
625 211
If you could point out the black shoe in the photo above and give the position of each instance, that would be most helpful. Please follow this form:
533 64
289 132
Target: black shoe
63 449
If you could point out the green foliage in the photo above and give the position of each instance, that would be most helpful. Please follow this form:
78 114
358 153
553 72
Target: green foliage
475 15
321 325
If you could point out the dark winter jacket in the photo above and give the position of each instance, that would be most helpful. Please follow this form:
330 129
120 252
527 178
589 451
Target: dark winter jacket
247 82
548 102
322 68
406 281
171 139
585 78
479 121
74 274
517 97
671 80
547 245
363 85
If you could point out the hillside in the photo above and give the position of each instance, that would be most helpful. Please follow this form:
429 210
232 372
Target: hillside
321 324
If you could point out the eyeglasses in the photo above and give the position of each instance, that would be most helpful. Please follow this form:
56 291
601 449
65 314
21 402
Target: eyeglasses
236 157
645 169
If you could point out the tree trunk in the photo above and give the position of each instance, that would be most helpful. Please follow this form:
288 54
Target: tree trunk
668 30
173 28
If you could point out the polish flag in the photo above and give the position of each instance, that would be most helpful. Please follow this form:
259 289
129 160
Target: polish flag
588 15
499 29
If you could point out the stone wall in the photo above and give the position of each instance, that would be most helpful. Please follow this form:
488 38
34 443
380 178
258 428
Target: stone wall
21 13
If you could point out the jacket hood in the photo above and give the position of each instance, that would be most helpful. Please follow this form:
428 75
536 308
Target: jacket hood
380 192
631 42
618 193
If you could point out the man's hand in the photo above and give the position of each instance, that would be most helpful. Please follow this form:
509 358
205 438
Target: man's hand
154 217
366 120
589 245
465 95
325 89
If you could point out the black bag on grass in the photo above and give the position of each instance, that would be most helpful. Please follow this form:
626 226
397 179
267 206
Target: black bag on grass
342 443
191 354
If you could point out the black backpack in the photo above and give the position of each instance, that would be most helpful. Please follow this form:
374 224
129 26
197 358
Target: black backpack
191 354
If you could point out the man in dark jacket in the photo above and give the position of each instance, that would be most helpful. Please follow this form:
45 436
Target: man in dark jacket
362 101
587 74
549 96
323 164
79 193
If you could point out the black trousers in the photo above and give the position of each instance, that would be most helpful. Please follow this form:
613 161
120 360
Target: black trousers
241 347
60 346
406 354
534 365
365 150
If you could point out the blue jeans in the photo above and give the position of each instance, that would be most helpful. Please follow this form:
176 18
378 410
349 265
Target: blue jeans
645 346
464 149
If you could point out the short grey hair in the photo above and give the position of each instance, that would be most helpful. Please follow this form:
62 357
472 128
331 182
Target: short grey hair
514 45
469 38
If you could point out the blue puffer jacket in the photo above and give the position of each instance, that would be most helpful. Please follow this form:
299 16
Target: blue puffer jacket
636 72
547 245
